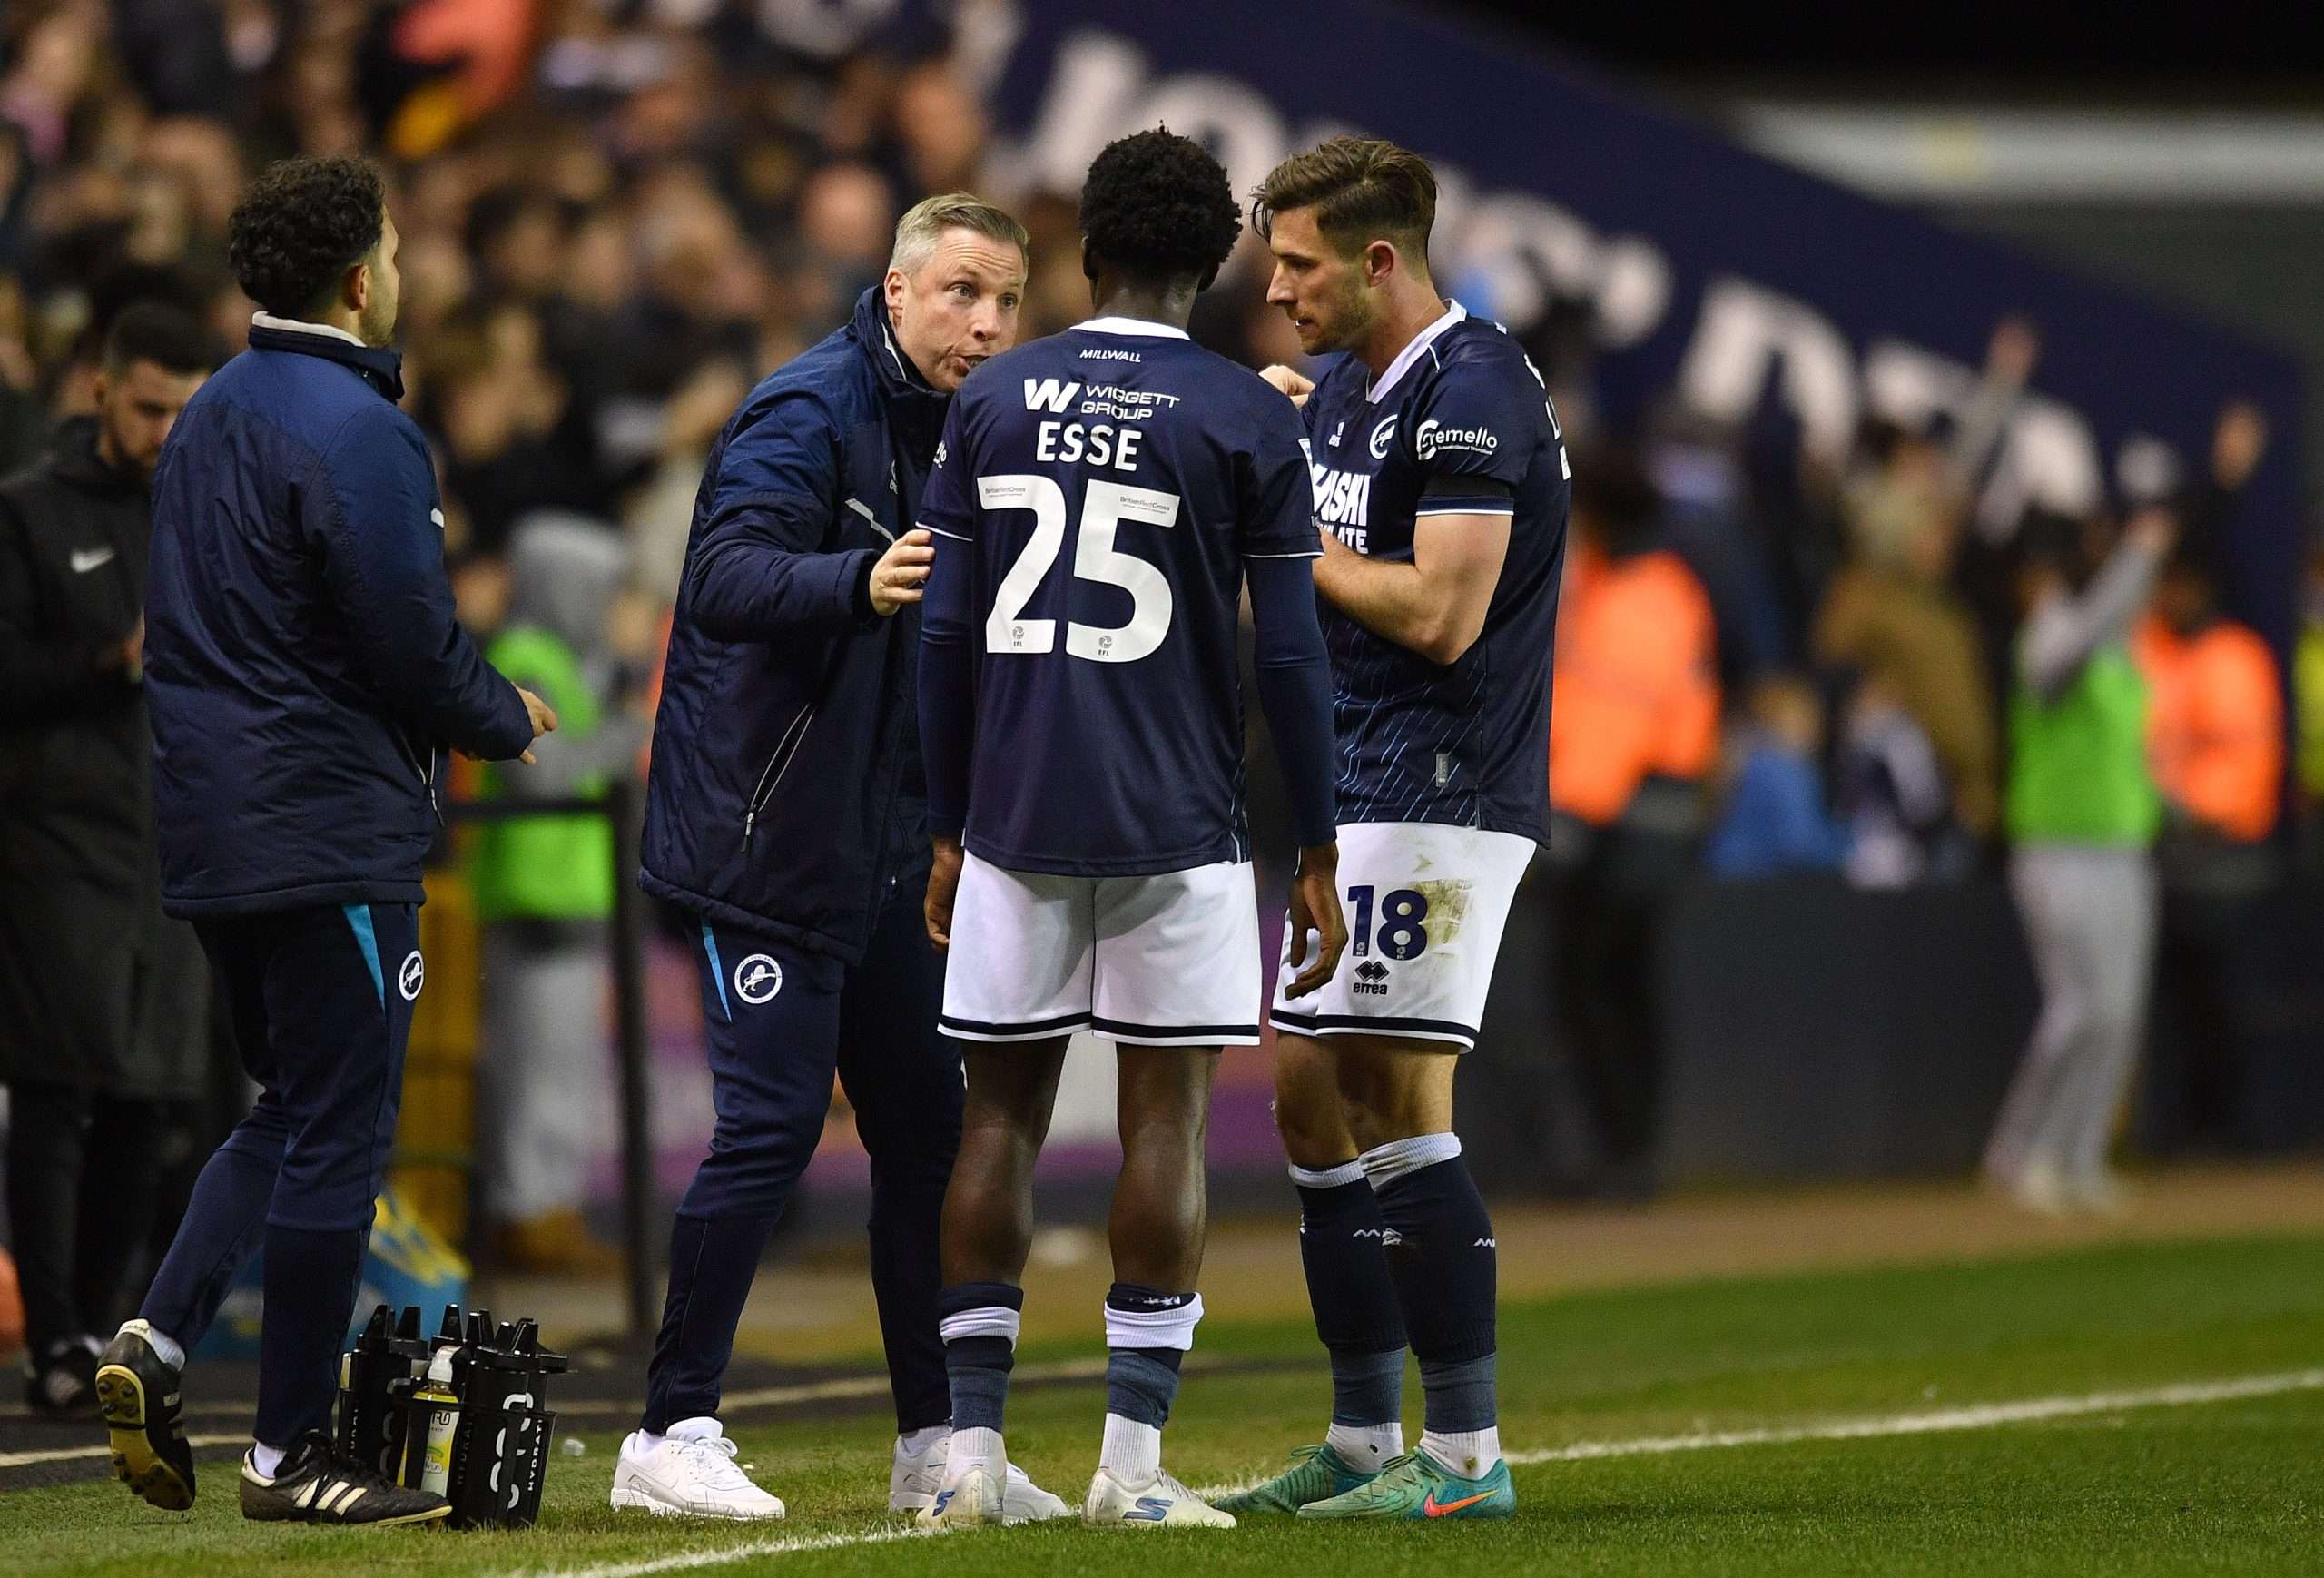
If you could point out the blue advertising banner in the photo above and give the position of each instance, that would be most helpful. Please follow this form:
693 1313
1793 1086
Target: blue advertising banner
1711 270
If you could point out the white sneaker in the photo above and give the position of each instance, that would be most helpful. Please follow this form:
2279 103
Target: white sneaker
690 1473
1162 1502
916 1481
2040 1187
978 1501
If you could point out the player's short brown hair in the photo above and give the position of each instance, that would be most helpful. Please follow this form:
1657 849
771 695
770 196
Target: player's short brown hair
1362 190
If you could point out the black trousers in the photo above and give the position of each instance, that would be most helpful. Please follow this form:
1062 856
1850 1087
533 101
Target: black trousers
83 1176
1608 930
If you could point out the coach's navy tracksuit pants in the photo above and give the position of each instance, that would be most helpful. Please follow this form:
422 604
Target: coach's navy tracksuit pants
320 1001
781 1021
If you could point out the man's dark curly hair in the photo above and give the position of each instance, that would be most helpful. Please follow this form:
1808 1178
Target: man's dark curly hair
302 225
1158 207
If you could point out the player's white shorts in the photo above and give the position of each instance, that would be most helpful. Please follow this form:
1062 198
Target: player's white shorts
1425 904
1170 959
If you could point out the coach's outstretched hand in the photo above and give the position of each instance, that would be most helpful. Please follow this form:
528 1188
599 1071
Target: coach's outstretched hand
1315 906
543 717
1297 385
943 883
901 575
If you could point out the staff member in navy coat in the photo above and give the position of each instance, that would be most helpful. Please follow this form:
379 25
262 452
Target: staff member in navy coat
784 812
304 676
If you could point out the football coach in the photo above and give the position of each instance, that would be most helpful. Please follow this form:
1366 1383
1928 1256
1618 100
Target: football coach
785 815
303 675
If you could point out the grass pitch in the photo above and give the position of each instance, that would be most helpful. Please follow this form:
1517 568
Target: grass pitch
1811 1425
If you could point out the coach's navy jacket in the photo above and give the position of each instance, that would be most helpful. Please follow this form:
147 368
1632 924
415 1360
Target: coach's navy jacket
302 666
785 792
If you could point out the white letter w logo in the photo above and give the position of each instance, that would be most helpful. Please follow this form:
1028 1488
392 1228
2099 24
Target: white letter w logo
1048 395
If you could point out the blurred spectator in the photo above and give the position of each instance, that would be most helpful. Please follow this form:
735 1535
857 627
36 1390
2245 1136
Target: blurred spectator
2215 730
20 401
1892 616
1633 731
2083 809
544 889
2215 741
1775 819
1697 467
2307 694
1893 796
105 1022
659 513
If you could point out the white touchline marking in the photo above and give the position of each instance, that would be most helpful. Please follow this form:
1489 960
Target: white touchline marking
718 1558
1978 1416
71 1454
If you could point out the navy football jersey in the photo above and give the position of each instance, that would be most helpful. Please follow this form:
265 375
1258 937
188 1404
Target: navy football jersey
1458 424
1108 482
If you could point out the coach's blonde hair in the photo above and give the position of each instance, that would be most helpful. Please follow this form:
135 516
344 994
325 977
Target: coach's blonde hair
924 225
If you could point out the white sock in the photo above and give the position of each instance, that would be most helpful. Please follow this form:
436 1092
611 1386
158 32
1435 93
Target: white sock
1132 1452
1471 1454
975 1449
917 1443
164 1346
266 1460
1367 1448
644 1441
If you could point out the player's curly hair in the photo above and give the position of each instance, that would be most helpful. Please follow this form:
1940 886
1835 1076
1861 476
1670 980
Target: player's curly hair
300 225
1157 206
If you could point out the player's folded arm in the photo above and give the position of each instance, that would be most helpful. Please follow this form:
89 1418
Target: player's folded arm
1457 555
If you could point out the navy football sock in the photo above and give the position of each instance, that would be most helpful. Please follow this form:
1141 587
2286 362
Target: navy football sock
979 1321
1146 1335
1441 1254
1353 1297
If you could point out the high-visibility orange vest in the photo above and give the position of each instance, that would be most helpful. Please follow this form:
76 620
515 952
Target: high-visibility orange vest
2215 725
1635 687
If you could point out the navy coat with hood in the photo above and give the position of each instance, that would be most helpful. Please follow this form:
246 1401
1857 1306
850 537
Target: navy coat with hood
785 794
303 669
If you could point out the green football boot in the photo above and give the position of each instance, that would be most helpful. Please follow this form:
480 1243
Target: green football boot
1316 1474
1416 1485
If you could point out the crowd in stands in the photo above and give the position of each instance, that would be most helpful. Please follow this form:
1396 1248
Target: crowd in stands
617 216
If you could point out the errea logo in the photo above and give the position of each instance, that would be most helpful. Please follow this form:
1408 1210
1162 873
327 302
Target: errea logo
1434 437
940 454
757 979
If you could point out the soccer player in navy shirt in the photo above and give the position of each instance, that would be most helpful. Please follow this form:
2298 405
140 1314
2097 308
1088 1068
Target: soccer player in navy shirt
1441 479
1100 501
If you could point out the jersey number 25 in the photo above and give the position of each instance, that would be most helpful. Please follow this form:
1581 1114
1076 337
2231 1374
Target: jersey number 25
1103 506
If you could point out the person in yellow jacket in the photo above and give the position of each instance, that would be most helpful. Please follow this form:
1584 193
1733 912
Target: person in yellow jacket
545 892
